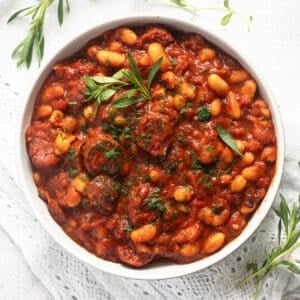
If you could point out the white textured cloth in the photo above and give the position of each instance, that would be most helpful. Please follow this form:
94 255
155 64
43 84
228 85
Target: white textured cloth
68 278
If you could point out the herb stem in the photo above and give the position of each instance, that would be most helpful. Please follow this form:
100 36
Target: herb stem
279 257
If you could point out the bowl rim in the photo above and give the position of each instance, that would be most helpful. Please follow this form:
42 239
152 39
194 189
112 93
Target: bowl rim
156 270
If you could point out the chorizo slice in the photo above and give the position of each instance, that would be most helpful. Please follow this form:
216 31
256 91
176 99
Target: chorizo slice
155 34
102 154
130 257
56 211
40 139
139 208
103 191
153 133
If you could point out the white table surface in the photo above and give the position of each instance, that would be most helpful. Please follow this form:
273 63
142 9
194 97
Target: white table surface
273 43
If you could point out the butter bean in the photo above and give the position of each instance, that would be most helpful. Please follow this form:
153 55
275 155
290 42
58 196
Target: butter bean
217 84
110 58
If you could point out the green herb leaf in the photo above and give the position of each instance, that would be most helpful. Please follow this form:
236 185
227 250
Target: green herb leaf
125 102
12 17
89 81
154 71
173 166
284 212
228 139
112 154
107 94
103 91
131 93
35 37
277 257
226 19
173 61
196 165
60 11
290 266
128 228
204 113
252 267
180 3
73 172
72 153
109 80
226 4
135 69
217 209
155 203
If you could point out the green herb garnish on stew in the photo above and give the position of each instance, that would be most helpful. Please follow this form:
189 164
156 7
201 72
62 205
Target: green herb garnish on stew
72 153
155 203
112 154
226 137
128 228
139 92
204 113
196 165
102 88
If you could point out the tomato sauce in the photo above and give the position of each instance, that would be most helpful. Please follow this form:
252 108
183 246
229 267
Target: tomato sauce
153 180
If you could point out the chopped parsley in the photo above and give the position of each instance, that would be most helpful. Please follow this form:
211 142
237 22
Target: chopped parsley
183 111
155 203
113 130
72 153
173 166
204 113
196 165
204 178
128 228
126 133
217 209
182 139
173 62
73 172
112 154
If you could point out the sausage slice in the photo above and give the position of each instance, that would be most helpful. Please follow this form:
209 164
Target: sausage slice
153 133
103 191
40 139
102 154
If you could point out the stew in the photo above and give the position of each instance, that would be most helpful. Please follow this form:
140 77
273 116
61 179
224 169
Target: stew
173 174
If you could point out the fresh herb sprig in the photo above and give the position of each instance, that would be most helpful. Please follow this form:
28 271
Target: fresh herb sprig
139 92
35 38
102 88
289 219
229 12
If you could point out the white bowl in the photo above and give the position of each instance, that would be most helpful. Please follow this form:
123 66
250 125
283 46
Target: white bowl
154 270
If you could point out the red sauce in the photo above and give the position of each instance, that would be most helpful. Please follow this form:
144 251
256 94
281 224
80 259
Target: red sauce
153 180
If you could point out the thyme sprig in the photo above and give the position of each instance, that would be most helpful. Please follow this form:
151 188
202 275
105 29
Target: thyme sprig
289 219
35 38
